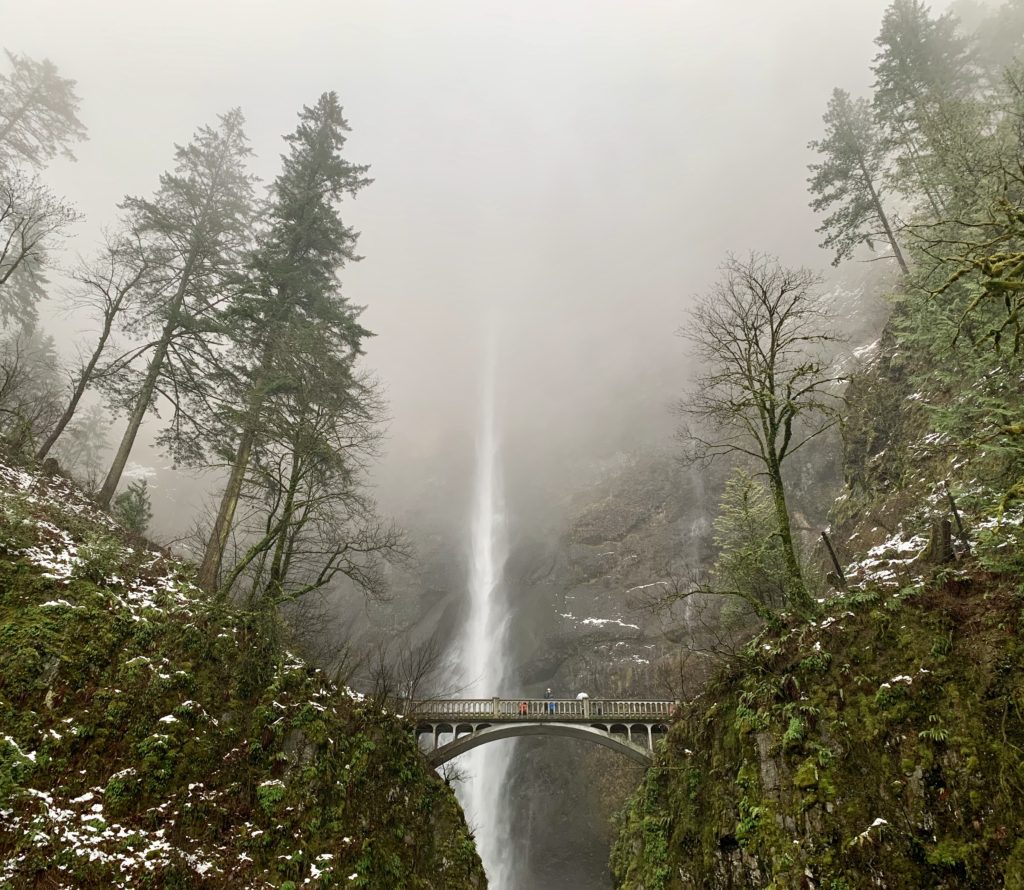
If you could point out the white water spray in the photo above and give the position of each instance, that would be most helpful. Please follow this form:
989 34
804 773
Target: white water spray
484 649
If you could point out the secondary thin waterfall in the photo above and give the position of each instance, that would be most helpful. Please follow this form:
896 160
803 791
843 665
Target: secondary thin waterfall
484 644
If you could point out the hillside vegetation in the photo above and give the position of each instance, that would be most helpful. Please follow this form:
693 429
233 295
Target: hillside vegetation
873 735
880 745
152 736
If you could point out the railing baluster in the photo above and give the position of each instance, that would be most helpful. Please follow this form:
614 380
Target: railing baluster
506 709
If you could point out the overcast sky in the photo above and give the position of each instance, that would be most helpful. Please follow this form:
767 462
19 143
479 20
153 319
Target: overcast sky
575 168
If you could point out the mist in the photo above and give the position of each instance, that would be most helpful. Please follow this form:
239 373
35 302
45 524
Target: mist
570 174
554 186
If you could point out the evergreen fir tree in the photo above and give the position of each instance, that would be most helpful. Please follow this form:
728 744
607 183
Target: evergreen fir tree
30 387
751 563
193 233
38 113
297 336
925 81
849 180
999 41
132 508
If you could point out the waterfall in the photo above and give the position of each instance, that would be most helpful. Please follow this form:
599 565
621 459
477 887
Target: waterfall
484 645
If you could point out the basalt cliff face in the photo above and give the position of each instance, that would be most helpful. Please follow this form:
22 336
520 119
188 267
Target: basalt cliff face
581 624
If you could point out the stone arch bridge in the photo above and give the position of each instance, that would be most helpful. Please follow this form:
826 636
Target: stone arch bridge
453 726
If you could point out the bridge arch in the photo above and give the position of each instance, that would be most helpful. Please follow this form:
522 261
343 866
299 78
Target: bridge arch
491 732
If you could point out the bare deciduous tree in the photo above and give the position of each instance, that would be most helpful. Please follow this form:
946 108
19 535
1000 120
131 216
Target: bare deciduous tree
104 289
29 388
401 671
768 386
312 520
31 218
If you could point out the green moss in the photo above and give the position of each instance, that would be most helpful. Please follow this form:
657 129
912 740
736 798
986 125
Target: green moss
1015 867
806 775
848 771
949 854
270 794
185 718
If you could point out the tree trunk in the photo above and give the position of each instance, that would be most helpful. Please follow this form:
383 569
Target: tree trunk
213 556
940 542
884 220
79 391
142 405
840 575
148 386
278 566
209 569
965 541
936 202
798 597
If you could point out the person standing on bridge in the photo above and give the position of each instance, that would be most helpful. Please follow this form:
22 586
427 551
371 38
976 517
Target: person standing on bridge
551 704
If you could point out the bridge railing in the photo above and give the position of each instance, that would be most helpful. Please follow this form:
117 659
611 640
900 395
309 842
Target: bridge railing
530 709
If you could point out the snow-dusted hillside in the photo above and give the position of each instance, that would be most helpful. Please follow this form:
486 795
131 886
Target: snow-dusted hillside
152 737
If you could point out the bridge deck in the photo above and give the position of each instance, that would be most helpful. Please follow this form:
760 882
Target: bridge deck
532 710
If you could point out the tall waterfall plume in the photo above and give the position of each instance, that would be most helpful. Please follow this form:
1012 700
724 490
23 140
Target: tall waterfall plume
484 644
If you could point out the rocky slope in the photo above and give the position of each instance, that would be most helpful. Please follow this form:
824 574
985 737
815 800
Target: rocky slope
151 737
577 582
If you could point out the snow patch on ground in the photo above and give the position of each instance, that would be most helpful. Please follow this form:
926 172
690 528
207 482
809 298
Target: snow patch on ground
601 622
58 823
889 564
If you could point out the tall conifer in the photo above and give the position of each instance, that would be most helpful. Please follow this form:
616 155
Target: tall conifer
849 180
924 82
297 336
194 232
